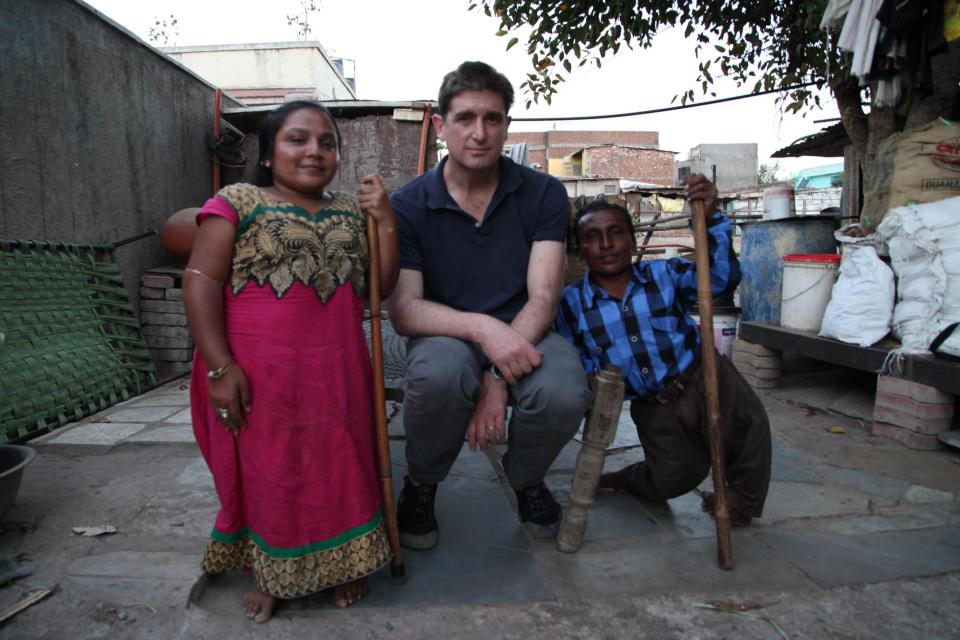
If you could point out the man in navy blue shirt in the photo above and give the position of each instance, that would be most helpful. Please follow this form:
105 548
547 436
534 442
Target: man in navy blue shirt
636 317
481 268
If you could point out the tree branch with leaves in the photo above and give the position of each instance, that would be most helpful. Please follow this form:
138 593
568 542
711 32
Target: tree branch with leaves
765 45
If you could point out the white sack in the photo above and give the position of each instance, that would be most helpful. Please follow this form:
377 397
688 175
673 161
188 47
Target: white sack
924 245
861 303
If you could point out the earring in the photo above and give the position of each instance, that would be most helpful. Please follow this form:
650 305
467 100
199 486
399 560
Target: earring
266 163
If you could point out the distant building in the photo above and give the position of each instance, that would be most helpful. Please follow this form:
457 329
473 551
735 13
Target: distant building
822 177
269 73
547 149
730 166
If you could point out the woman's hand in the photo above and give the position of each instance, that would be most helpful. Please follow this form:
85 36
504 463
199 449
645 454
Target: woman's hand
375 201
230 398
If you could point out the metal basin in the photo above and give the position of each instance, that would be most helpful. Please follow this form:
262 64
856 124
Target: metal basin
13 459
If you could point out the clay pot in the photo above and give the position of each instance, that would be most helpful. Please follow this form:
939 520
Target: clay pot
179 232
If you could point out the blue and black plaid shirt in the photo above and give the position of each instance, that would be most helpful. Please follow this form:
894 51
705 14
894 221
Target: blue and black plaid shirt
649 333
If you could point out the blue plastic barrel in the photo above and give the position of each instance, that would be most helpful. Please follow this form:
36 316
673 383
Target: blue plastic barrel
762 248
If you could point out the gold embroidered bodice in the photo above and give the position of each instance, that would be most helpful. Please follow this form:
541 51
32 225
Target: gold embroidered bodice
279 242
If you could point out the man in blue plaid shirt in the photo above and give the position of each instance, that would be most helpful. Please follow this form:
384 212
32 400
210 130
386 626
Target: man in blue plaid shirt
636 316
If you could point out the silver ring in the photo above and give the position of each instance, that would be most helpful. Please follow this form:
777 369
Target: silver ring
490 427
223 413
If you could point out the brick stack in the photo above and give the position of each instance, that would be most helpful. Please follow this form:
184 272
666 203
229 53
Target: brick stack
163 320
759 365
911 413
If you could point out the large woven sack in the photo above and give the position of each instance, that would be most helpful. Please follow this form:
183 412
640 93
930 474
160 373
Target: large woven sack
916 166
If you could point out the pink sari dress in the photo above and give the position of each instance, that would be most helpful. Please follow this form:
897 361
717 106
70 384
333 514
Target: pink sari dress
300 503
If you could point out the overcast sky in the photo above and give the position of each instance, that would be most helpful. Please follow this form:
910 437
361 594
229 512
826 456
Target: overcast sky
402 48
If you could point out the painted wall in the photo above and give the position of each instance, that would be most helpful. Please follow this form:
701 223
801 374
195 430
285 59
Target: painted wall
737 164
101 136
300 68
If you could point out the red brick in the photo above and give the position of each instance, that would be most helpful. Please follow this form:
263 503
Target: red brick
906 437
914 390
760 383
907 421
158 282
754 349
928 410
757 362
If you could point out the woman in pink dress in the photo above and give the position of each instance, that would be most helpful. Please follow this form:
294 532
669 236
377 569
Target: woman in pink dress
281 386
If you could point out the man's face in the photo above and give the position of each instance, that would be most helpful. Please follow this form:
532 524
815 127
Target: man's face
606 244
474 129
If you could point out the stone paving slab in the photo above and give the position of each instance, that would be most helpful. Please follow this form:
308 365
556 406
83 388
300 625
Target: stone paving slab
676 567
175 433
138 565
887 490
794 500
786 465
96 433
141 414
846 560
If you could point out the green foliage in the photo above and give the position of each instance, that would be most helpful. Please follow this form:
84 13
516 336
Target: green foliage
301 19
763 44
768 174
163 30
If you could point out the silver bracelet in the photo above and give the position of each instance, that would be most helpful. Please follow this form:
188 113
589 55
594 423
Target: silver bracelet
214 374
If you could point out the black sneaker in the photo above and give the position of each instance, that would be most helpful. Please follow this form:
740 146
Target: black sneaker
415 519
539 510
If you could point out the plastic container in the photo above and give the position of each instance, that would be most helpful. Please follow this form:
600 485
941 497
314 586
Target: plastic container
13 459
807 282
778 202
724 329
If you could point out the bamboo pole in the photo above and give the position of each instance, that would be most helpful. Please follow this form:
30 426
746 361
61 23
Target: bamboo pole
598 433
398 572
714 428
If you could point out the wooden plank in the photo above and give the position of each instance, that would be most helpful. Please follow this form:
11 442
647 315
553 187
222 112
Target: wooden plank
928 370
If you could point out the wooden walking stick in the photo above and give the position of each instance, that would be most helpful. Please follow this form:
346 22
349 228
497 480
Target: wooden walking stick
598 433
398 572
721 511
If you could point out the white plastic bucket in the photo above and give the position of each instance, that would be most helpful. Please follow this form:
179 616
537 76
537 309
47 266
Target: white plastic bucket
778 203
807 281
724 329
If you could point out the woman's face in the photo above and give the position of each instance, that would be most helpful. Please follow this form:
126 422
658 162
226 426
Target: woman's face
305 156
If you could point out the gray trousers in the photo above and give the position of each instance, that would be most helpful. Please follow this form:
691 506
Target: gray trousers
443 380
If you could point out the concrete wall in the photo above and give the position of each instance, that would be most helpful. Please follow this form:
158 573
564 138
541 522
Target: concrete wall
302 69
379 144
101 137
737 164
372 143
544 145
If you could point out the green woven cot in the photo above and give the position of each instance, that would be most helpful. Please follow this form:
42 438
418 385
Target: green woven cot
71 343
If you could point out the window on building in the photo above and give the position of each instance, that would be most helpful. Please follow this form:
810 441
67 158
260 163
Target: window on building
682 172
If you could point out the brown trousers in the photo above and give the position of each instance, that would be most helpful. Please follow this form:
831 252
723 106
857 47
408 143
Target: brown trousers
676 444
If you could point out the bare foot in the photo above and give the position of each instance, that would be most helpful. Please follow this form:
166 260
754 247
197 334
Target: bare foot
348 593
258 606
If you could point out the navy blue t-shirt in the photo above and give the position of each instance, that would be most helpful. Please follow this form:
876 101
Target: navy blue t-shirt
478 267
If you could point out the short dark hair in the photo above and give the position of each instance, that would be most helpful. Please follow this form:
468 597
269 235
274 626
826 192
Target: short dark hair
474 76
599 205
267 135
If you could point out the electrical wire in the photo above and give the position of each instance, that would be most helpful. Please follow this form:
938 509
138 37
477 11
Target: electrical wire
663 109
